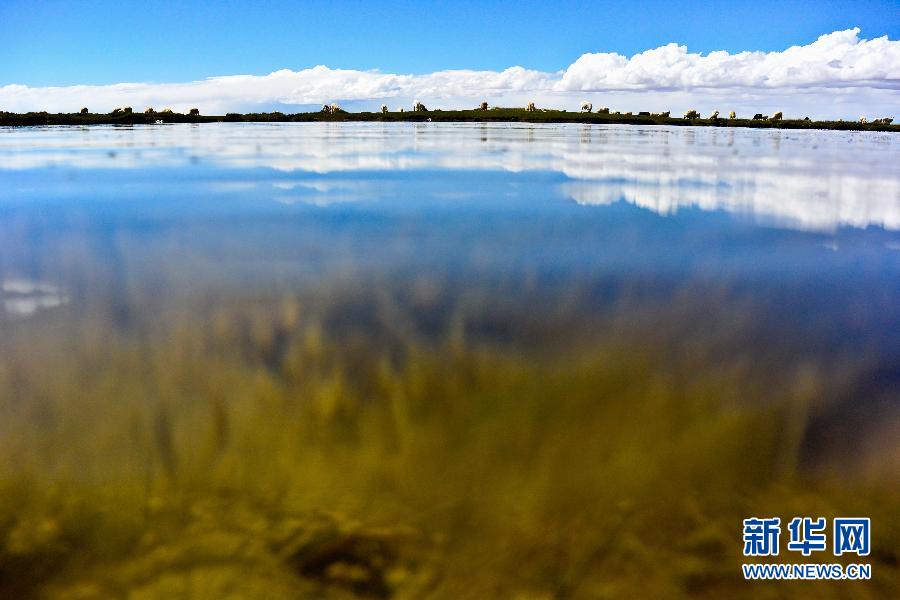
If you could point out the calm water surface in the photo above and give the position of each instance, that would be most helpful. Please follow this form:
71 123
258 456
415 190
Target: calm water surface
528 225
636 200
750 268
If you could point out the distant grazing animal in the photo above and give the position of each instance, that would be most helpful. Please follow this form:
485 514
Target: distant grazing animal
384 108
84 111
759 117
603 111
483 106
419 107
732 115
586 107
194 112
863 120
530 107
692 114
325 108
777 116
714 115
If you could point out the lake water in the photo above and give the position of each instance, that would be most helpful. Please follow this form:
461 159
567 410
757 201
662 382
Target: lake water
382 319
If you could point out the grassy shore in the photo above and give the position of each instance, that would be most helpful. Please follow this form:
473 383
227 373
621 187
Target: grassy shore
492 115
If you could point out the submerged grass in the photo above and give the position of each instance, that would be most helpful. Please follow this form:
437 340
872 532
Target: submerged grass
321 445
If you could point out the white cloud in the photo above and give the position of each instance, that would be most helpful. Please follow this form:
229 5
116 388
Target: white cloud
835 60
838 75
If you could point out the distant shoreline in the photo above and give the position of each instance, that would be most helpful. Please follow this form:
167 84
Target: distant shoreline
496 115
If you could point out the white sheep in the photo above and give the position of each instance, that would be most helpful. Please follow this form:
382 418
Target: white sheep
732 115
777 116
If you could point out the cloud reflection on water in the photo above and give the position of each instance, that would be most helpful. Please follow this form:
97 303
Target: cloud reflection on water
812 180
23 297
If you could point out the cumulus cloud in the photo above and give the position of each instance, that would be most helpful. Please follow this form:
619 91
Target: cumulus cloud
836 60
838 75
307 87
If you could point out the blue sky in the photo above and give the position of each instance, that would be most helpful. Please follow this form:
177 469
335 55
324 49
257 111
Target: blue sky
809 58
54 42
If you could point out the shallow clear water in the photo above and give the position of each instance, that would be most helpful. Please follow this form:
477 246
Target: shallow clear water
262 203
806 223
639 287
